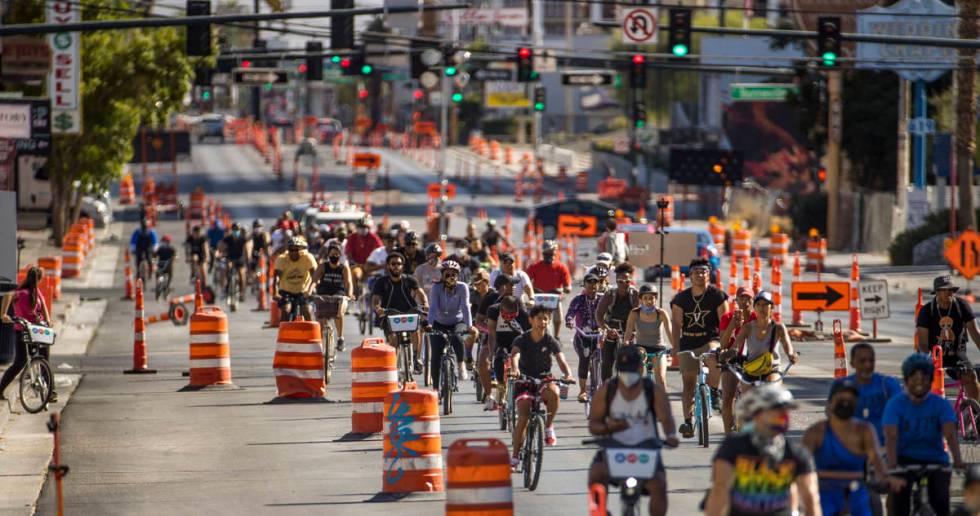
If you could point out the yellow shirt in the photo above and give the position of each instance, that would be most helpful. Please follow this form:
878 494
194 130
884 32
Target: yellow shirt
296 276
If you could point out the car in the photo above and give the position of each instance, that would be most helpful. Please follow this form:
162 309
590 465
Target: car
330 213
211 126
97 210
706 247
327 129
585 216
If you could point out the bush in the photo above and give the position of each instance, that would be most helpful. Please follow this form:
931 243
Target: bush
500 126
936 223
808 211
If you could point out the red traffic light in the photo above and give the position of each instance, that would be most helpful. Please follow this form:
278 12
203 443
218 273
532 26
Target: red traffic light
822 174
362 94
345 62
417 94
524 52
301 68
246 63
639 59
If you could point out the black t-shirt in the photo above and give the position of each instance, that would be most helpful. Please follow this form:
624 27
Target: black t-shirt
492 298
955 317
234 247
411 262
396 295
508 331
761 487
536 356
700 316
165 253
196 245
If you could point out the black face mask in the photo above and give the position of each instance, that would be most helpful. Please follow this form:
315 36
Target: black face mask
548 258
844 409
333 259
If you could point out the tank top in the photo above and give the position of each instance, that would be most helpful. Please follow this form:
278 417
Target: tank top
332 282
648 333
620 309
639 413
832 455
755 346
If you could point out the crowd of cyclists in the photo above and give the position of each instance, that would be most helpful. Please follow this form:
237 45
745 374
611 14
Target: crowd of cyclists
882 436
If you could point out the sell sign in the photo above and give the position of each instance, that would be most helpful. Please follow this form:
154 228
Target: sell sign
63 82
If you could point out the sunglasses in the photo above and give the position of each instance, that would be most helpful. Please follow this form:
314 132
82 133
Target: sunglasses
396 264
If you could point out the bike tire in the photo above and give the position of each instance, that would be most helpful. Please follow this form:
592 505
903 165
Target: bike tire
35 385
426 365
362 322
479 387
968 434
370 323
502 415
537 453
402 373
445 391
702 415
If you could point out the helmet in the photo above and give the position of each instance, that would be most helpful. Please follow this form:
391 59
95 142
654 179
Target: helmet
235 227
648 289
549 246
604 258
917 362
600 269
166 239
410 237
433 249
256 223
299 242
491 223
449 265
763 398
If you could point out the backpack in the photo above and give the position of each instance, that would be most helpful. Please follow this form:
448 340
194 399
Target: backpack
613 386
762 364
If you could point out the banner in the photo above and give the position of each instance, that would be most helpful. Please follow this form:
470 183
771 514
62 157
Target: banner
64 86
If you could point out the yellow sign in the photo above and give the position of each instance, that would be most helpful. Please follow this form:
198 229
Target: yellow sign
508 99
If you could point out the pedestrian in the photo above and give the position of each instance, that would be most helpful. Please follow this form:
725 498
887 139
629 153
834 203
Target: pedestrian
27 303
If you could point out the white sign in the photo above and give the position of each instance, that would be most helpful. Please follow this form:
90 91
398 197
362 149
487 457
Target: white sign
639 26
15 120
918 208
504 17
925 18
63 81
873 298
545 62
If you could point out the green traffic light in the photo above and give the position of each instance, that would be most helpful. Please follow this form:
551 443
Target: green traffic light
534 75
539 106
640 124
268 86
680 50
457 97
367 69
335 59
206 95
450 71
829 58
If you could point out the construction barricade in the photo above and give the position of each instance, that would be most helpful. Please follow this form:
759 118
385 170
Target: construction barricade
816 254
412 442
72 255
717 232
478 479
210 352
778 247
51 265
298 363
374 375
742 245
127 190
140 361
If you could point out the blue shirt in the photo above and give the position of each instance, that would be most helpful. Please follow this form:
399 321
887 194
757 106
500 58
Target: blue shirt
872 398
215 234
143 243
920 426
450 308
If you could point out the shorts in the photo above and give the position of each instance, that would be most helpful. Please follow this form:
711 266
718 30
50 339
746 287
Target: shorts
836 496
954 361
499 360
237 263
524 389
689 363
289 297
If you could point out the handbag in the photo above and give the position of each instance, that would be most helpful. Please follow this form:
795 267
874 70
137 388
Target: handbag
762 364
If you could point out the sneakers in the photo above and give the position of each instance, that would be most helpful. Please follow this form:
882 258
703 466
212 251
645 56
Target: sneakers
418 367
469 364
490 404
716 400
340 344
550 439
463 375
53 398
515 462
686 430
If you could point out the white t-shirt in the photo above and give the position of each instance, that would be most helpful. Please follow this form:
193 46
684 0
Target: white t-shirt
522 276
378 257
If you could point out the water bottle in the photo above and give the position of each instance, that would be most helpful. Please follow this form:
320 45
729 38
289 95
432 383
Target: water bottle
563 391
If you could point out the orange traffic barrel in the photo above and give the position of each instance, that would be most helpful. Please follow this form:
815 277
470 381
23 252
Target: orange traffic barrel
412 443
52 269
210 352
197 204
298 363
717 233
72 255
127 190
742 244
816 253
478 479
779 246
668 213
375 375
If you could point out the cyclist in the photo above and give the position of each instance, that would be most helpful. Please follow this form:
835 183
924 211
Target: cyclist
503 286
695 315
293 278
523 289
375 263
582 314
449 312
730 325
261 244
757 342
479 289
427 273
198 249
916 423
413 255
612 312
874 389
142 244
531 355
550 276
26 302
235 247
754 472
478 254
395 292
947 321
359 247
627 409
601 270
492 237
332 278
842 446
613 242
506 321
165 254
645 327
215 233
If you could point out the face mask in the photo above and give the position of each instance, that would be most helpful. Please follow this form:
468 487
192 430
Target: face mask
362 231
334 259
629 379
508 316
648 310
237 234
780 425
450 283
548 258
844 410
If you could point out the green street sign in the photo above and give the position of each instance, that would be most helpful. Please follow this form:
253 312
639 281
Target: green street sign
762 92
392 76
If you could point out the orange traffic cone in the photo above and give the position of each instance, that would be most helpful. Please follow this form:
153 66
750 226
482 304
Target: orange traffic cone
745 270
938 378
797 315
732 276
263 302
855 320
128 271
597 500
840 358
139 336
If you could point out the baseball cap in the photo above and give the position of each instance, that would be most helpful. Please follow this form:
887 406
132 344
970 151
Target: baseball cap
763 296
843 384
943 283
604 258
744 291
505 279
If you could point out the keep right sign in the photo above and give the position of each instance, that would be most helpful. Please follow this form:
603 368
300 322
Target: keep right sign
873 297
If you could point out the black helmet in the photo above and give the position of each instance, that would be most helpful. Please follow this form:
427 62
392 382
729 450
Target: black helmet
433 249
411 237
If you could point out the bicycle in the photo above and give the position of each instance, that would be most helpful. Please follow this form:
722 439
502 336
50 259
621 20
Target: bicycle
504 402
37 379
448 381
401 327
326 309
595 365
918 477
967 417
162 286
628 474
365 316
650 360
144 268
702 398
736 369
475 373
232 286
295 304
532 451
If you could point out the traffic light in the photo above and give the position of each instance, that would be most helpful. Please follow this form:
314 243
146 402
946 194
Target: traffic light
457 97
525 65
356 64
206 93
314 63
199 35
539 99
362 94
639 114
828 39
341 27
638 74
679 38
202 76
822 174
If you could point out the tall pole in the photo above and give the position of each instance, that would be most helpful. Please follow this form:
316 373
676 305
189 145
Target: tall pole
902 161
569 92
443 157
256 91
837 222
919 139
966 113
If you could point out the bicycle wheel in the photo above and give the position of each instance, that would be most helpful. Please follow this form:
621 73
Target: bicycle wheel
402 366
704 406
479 386
426 366
362 322
370 323
36 381
445 388
968 432
535 455
502 415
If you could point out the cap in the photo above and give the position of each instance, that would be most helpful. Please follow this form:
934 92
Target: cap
590 277
505 279
481 275
744 291
843 384
943 283
629 359
763 296
507 257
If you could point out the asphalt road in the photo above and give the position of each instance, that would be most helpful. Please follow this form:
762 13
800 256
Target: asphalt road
136 445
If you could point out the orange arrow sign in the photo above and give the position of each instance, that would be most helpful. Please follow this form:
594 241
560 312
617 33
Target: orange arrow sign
367 160
577 225
433 190
823 296
964 254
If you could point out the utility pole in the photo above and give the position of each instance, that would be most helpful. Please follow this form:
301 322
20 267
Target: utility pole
256 91
900 221
838 223
966 114
569 92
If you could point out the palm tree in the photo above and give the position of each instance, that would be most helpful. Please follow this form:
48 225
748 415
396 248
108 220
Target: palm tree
966 113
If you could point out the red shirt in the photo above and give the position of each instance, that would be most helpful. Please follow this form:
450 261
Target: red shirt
727 319
22 308
359 246
549 277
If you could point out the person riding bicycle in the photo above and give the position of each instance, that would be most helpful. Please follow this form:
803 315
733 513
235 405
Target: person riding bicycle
916 424
333 279
531 355
374 266
449 312
27 303
602 271
359 246
261 244
215 232
582 315
842 447
506 320
550 276
613 241
627 409
142 244
645 326
757 345
730 325
293 279
523 289
754 472
949 321
695 315
165 254
397 293
612 313
414 255
235 247
197 248
427 273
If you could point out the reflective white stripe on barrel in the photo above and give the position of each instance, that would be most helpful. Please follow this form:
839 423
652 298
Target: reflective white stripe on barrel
374 376
300 373
414 463
368 408
209 338
199 363
479 495
285 347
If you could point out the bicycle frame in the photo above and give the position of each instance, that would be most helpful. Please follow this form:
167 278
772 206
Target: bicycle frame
963 427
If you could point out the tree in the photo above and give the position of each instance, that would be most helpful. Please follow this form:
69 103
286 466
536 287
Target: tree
966 113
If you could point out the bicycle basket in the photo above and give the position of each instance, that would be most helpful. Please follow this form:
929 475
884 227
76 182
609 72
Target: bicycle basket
549 301
403 322
639 463
41 334
327 307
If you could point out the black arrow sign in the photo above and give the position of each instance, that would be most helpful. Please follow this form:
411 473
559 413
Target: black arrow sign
829 297
876 299
587 78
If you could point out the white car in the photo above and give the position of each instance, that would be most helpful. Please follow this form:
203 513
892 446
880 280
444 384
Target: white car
96 209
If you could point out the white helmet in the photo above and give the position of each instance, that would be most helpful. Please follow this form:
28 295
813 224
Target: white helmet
449 265
763 398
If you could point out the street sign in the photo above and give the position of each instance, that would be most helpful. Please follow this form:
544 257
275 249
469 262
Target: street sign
644 248
502 94
367 160
425 127
577 225
639 26
922 126
545 61
434 191
587 78
822 296
874 299
258 76
493 74
908 17
762 92
964 254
